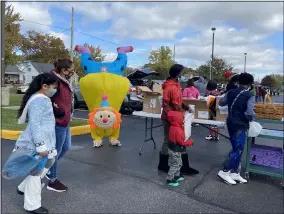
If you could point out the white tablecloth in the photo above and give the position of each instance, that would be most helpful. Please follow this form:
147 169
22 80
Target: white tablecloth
199 121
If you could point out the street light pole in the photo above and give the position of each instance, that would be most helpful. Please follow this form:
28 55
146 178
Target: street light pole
212 55
245 62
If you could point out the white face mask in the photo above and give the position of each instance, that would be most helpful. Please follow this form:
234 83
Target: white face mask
50 92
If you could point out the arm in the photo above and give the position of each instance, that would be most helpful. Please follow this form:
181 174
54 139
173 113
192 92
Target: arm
249 113
35 112
223 101
56 111
184 94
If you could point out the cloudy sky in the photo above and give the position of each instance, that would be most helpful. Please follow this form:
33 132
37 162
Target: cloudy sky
252 27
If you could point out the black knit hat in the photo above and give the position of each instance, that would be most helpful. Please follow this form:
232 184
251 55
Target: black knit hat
175 70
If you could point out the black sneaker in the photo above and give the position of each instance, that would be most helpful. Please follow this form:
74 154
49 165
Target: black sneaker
20 192
56 186
40 210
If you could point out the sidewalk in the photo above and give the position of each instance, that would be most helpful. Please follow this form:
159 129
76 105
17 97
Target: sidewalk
119 180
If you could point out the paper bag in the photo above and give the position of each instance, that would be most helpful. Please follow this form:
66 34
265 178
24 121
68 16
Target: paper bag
188 119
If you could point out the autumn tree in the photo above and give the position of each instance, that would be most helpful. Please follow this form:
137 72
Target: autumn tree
220 66
44 48
12 36
160 61
268 81
96 54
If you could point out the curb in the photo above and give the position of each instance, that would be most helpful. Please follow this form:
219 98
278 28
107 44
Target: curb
75 131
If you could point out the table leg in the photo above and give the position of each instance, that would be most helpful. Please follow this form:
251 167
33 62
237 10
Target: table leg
248 157
146 139
151 130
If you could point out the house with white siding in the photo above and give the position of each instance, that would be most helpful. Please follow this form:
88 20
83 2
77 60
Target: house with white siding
25 72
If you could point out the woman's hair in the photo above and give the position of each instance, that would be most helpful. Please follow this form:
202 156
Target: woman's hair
190 83
35 86
211 85
62 64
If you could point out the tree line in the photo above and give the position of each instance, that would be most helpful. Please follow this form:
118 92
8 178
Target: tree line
37 47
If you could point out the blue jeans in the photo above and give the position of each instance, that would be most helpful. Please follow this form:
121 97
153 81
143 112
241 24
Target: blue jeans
63 144
238 141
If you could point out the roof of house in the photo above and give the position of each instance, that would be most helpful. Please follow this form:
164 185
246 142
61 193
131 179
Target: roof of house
42 67
12 68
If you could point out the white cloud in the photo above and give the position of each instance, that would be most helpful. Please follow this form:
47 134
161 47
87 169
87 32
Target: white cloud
231 45
38 12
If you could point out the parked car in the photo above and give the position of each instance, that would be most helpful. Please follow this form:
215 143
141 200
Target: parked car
132 101
22 89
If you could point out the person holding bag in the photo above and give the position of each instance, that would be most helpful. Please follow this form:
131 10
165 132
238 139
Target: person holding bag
240 103
172 101
37 138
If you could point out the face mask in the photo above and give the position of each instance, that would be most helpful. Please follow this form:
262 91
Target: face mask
181 79
50 92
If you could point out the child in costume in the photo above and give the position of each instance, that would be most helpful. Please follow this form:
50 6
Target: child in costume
240 103
176 146
38 136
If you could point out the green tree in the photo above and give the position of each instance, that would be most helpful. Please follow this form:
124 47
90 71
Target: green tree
220 66
13 39
269 81
96 53
44 48
279 80
161 60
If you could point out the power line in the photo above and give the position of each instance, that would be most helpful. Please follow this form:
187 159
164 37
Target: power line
65 29
44 24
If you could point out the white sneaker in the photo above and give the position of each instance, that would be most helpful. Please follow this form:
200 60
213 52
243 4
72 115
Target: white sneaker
225 176
209 137
238 177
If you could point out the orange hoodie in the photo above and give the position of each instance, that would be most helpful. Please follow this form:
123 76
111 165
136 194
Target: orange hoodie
172 97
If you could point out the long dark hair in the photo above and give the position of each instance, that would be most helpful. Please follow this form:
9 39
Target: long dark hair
62 64
190 83
35 86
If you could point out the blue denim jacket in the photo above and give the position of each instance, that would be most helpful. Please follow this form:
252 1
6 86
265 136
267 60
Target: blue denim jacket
39 135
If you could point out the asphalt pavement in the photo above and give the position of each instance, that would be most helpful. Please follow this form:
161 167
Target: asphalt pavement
118 180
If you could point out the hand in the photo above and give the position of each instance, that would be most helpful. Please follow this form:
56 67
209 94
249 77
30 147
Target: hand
43 154
55 105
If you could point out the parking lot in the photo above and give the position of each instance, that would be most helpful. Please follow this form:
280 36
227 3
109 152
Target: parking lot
118 180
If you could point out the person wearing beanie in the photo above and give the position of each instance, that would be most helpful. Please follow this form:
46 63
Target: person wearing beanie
172 101
240 103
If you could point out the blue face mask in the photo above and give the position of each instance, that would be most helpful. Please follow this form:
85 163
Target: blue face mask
181 79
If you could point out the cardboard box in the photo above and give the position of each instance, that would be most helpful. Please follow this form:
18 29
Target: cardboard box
221 112
200 108
152 102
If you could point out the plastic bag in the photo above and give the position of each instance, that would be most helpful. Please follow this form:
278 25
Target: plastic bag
188 119
21 163
254 129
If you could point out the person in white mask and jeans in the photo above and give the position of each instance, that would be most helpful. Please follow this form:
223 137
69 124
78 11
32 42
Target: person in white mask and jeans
39 136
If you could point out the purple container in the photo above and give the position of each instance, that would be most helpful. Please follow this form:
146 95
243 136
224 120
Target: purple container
266 156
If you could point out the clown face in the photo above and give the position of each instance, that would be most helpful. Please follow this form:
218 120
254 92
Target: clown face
105 119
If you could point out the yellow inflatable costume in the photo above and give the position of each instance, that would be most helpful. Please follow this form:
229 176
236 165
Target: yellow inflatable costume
104 89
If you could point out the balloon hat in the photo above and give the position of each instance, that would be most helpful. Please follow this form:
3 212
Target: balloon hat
104 102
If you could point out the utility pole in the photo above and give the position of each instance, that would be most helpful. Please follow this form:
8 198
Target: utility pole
245 65
72 35
212 55
71 45
3 3
174 55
